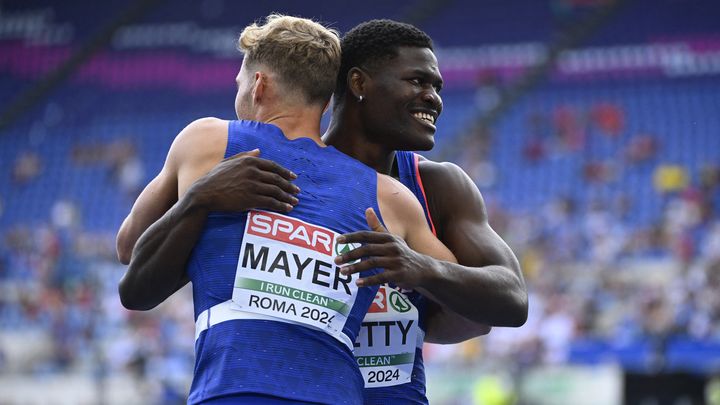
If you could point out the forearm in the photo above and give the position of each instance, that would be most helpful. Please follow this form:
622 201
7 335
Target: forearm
157 267
489 295
443 326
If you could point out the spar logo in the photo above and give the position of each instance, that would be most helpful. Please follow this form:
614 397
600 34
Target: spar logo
290 230
399 302
379 304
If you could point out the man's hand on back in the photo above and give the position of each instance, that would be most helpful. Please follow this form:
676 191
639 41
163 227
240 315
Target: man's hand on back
246 181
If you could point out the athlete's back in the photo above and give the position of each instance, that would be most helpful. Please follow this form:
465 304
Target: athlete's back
289 323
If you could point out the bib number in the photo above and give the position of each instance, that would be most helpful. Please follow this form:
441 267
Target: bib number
385 347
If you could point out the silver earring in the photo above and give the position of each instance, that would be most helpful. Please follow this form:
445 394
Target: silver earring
360 99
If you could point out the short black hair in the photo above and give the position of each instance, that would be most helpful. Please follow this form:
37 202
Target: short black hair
375 41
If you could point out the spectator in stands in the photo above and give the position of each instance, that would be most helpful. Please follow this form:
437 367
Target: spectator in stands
569 129
670 178
609 118
641 148
126 168
27 167
121 159
489 91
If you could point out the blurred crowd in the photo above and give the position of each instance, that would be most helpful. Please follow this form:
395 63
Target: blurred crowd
593 273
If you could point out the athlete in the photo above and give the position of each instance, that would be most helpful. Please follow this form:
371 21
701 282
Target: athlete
387 99
275 319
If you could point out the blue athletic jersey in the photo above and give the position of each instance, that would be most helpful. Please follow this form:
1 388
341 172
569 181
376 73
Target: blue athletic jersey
414 391
240 353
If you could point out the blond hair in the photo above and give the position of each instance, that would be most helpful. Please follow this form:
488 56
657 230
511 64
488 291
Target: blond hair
304 54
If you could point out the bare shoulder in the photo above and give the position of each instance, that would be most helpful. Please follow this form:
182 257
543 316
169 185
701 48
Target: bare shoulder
391 190
444 175
398 205
451 194
202 135
199 143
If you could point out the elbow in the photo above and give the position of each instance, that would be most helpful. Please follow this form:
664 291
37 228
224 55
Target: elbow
483 330
126 297
129 298
518 310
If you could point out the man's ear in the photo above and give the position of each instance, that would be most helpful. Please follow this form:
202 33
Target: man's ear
259 86
357 82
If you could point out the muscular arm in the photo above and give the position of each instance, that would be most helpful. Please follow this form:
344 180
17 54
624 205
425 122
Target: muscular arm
486 289
194 172
164 227
156 199
487 286
157 267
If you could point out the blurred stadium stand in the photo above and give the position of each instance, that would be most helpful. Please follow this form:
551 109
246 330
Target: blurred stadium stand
603 175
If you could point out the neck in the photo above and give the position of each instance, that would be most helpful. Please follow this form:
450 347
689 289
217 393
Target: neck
347 134
297 122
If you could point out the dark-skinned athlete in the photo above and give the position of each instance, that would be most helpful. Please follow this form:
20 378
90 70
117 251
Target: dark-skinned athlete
386 100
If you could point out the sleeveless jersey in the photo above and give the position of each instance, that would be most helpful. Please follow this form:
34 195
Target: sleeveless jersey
401 312
274 317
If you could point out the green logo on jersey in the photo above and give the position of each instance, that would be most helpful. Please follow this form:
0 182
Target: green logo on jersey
342 248
399 302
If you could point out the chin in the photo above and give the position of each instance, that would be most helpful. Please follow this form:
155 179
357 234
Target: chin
426 143
423 144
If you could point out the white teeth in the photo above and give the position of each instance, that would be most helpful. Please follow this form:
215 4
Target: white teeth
425 117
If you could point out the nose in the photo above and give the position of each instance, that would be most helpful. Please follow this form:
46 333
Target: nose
431 97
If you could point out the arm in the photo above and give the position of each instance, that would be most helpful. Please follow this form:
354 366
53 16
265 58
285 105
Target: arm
404 217
169 227
157 267
488 286
156 199
488 289
238 183
442 324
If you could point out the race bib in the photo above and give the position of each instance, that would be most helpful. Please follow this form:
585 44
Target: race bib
286 271
385 347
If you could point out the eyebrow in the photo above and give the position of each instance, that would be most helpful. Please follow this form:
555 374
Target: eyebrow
425 72
436 77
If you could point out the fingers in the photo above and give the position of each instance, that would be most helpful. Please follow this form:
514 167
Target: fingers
368 264
373 221
369 251
277 180
270 203
264 164
265 171
267 185
270 190
377 279
270 166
